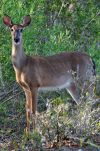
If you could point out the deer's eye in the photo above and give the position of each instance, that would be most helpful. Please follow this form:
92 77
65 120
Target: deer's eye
11 29
21 30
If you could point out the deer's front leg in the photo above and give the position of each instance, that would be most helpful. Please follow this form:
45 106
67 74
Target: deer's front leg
31 106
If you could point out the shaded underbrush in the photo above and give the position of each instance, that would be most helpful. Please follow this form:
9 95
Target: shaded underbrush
59 122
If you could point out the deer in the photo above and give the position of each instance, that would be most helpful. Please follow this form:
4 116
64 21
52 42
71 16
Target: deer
41 73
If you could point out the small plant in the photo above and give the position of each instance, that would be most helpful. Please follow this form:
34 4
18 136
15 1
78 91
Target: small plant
62 120
31 141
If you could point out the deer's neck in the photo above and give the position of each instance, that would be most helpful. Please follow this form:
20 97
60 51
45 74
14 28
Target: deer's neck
18 56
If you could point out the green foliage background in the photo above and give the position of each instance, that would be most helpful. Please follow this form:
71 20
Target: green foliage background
56 26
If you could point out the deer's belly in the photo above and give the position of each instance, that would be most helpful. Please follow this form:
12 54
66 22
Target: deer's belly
55 87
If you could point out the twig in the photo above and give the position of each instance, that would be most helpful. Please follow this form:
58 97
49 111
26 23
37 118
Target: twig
90 21
11 98
84 142
1 78
4 95
63 5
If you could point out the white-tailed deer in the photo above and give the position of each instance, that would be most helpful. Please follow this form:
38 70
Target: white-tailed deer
46 73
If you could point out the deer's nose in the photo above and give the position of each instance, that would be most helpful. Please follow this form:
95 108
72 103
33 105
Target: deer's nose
16 40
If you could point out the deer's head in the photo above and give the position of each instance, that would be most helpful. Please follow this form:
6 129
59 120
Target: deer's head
16 29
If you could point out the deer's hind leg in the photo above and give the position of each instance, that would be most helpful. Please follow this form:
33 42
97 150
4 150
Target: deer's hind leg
74 92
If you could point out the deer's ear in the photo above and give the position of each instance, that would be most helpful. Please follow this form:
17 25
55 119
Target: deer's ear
7 21
26 21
